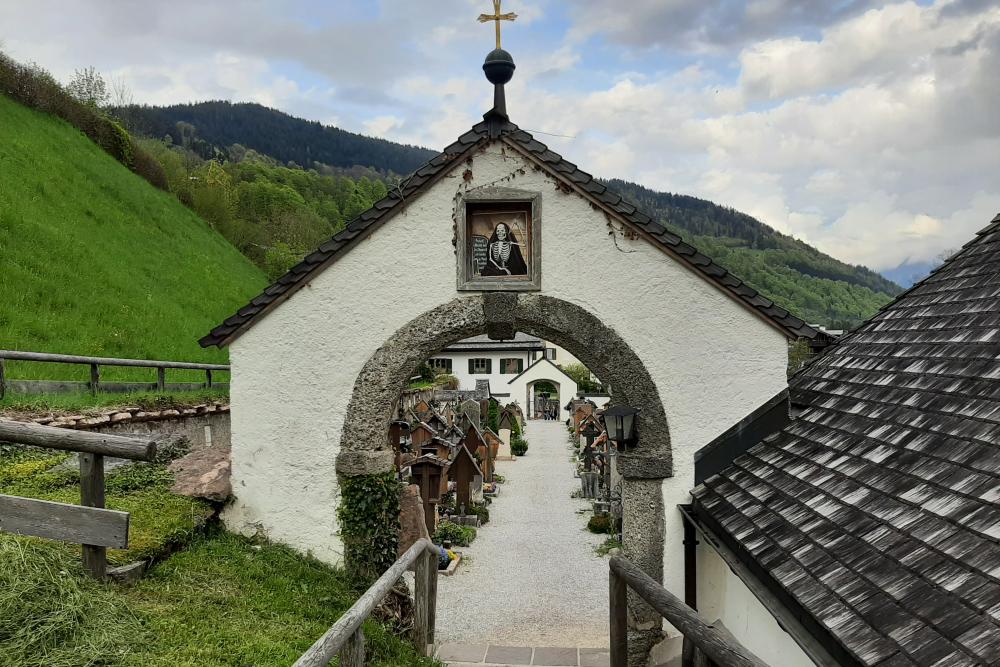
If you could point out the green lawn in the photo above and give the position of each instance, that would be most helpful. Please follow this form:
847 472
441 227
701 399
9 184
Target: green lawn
160 519
213 599
84 402
226 601
98 262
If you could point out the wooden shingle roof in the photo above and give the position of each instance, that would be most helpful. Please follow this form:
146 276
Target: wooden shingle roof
875 514
573 177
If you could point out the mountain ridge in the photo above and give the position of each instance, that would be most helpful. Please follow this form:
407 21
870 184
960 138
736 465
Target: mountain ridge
813 285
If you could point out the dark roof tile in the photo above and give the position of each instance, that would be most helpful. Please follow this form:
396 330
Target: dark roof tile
887 485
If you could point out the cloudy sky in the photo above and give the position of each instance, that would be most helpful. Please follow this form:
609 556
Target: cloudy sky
869 129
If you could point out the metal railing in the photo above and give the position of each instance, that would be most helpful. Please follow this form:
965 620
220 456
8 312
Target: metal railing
702 642
95 364
346 636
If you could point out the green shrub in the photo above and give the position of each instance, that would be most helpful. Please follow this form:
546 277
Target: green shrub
518 446
369 525
481 511
599 524
460 536
35 88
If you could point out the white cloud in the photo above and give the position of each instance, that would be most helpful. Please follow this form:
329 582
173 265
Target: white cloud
866 128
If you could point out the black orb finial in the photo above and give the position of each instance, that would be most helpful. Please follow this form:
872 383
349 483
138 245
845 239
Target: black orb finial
499 67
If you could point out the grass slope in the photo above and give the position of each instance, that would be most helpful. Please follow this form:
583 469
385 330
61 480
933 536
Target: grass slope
96 261
220 600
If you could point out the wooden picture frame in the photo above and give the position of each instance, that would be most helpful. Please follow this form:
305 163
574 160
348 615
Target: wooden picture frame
499 240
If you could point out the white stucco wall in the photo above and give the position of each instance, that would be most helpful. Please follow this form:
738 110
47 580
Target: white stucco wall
723 596
498 380
542 370
712 359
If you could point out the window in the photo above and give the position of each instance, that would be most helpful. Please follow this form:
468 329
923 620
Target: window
443 365
480 366
550 353
511 366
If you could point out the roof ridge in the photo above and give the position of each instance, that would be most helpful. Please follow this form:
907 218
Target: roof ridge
585 183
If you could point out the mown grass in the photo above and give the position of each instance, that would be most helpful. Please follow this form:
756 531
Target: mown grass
98 262
224 601
212 599
84 402
160 520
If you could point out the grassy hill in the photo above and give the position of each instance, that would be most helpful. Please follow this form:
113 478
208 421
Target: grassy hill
799 277
97 261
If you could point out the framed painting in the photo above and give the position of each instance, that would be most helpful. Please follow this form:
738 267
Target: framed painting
499 241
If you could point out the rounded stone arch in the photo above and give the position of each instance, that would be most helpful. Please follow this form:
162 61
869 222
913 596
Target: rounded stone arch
364 445
364 442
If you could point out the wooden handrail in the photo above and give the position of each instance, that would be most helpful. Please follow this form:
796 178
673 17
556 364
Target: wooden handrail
346 636
90 522
718 646
16 355
95 364
120 446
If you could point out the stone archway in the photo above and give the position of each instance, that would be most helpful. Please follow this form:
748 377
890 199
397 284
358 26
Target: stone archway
364 447
532 396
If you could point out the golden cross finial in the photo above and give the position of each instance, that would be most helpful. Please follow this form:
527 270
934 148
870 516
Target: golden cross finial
497 16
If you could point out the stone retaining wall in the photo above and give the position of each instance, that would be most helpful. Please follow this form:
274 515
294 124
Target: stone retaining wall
202 425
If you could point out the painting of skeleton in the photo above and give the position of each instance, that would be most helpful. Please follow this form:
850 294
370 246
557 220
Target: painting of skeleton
499 242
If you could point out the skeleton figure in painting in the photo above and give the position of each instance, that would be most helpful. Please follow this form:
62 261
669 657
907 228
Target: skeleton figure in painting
503 254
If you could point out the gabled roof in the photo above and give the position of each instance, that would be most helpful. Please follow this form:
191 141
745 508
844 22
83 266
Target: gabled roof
535 363
875 514
520 341
566 172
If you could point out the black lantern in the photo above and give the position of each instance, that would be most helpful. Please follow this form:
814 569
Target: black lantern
621 422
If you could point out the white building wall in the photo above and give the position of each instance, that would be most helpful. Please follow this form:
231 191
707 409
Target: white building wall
519 389
498 380
712 359
723 596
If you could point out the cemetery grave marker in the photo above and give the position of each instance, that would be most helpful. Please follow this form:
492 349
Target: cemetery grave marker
463 471
427 472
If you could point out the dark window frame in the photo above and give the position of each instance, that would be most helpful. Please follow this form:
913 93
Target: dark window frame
473 366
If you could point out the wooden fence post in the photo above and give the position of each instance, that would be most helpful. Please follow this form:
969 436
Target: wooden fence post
208 378
618 595
95 378
432 585
161 379
353 653
95 560
423 622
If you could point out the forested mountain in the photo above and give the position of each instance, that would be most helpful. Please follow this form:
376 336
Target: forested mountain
700 217
207 126
276 186
811 284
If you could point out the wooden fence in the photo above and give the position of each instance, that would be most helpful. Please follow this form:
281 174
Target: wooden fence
89 523
703 644
95 364
346 637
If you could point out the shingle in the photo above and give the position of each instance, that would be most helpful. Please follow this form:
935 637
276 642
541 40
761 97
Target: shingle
892 469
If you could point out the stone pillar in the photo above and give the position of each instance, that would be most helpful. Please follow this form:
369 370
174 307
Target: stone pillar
643 544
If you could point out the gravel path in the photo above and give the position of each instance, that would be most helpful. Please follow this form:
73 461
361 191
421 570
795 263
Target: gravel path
533 577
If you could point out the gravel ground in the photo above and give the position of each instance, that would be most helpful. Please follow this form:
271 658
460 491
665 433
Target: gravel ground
533 577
